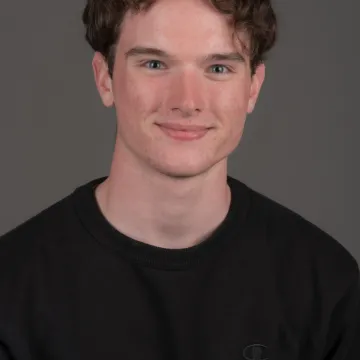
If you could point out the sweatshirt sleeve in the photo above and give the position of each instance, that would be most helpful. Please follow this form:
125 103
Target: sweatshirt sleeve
343 339
4 355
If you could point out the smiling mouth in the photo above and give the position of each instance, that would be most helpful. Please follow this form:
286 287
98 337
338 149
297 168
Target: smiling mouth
184 133
181 127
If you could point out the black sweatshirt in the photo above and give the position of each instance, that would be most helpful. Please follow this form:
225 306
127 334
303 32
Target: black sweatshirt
267 284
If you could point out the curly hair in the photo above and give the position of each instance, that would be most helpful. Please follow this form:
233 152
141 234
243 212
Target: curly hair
103 20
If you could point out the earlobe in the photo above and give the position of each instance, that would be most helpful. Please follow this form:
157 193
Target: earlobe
103 79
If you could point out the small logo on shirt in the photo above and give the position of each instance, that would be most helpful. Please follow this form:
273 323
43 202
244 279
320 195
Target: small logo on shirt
255 352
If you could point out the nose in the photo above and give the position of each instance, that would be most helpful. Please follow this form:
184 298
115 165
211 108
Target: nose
185 94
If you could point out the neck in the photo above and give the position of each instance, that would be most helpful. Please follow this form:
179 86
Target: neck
163 211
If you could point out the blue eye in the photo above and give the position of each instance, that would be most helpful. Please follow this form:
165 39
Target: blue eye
221 66
152 61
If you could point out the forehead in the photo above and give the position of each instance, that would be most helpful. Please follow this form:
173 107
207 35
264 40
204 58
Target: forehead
186 27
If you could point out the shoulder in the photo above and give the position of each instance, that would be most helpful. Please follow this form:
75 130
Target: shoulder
27 255
301 248
19 246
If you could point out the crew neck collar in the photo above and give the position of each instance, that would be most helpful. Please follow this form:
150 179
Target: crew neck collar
94 221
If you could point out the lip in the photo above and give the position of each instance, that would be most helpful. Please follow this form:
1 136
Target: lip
184 127
183 133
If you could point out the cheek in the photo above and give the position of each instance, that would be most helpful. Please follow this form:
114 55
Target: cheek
134 99
231 105
230 109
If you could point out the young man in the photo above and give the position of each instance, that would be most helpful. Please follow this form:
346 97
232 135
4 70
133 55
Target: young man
168 257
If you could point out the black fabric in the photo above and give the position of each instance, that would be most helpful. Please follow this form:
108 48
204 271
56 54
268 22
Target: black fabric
267 284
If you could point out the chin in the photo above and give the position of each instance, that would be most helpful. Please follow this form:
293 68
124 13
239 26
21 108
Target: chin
183 170
181 174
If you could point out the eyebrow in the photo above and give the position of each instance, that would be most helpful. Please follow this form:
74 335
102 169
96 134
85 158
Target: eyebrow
141 50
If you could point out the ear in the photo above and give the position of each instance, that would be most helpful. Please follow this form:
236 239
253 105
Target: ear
102 79
256 84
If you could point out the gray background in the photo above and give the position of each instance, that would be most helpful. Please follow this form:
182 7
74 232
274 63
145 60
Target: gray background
299 147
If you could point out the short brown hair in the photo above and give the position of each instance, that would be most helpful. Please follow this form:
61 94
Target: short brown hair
103 20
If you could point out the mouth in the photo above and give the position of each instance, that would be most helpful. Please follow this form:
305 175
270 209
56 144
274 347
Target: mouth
184 132
181 127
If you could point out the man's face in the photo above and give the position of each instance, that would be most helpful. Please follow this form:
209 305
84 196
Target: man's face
183 88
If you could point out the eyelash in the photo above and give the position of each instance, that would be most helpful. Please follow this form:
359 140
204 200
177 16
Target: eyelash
229 70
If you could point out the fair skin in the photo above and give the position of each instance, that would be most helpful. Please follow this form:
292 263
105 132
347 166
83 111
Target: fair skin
162 191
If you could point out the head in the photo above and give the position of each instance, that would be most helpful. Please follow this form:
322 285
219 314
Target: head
189 62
